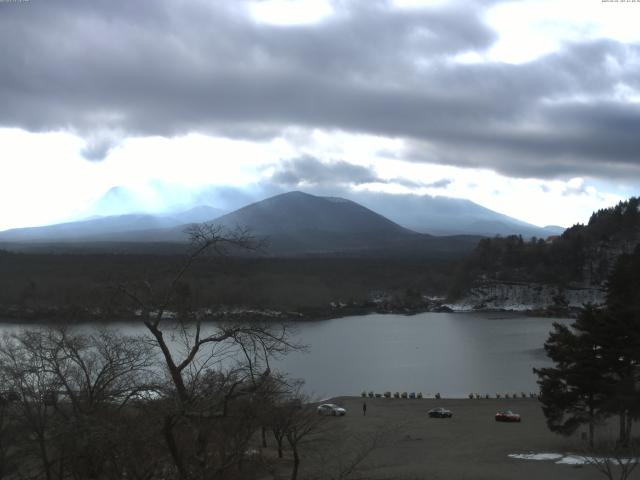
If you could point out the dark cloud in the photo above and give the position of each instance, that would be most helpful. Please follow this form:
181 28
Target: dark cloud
164 68
97 148
308 171
443 183
311 171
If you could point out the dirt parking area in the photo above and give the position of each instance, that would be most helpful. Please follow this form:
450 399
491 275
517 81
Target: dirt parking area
471 445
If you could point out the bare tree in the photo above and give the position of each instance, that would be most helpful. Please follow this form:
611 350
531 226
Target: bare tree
215 371
9 431
298 420
67 391
29 383
97 369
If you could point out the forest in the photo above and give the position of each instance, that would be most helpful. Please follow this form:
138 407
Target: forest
583 254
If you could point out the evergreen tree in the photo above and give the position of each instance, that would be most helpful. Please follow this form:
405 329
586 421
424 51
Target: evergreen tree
573 393
621 341
597 360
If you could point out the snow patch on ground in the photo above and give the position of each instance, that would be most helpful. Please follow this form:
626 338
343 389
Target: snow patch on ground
580 460
536 456
568 459
573 460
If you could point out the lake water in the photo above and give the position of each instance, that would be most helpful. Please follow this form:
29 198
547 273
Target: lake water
450 353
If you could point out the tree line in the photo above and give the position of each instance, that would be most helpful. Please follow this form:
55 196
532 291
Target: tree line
578 255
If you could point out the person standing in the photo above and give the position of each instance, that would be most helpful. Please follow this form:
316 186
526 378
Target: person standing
364 408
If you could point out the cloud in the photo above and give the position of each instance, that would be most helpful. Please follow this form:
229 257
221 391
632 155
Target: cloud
443 183
168 68
415 184
98 147
162 68
309 170
576 186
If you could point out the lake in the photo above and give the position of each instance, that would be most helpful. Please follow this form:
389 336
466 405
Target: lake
450 353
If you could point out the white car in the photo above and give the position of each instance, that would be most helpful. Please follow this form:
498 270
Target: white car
331 409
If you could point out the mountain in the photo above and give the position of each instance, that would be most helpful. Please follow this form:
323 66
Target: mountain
449 216
298 222
160 198
200 214
300 212
116 227
420 213
293 223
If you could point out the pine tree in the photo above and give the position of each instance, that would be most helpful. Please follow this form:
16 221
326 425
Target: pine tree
573 393
621 341
597 360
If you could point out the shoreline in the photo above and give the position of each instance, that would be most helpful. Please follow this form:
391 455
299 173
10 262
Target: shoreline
79 315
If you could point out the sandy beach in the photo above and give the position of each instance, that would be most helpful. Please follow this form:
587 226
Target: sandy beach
471 445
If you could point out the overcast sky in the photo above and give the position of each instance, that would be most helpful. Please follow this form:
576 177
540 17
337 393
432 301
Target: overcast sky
530 108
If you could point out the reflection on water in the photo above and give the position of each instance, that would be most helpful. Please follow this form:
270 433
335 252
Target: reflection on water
450 353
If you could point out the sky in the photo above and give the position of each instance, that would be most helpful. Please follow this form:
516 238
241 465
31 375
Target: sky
530 108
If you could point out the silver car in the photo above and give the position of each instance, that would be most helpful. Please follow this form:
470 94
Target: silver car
331 409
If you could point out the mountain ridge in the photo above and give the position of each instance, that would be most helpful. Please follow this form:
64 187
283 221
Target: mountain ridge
301 223
295 223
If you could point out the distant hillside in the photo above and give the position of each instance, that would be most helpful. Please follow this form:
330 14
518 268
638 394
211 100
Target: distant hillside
106 228
421 213
449 216
581 257
293 223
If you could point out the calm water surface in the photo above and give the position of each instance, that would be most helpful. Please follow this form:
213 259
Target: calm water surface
450 353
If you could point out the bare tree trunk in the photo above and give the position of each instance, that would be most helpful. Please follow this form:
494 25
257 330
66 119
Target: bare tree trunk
171 366
591 424
296 462
624 438
279 440
45 457
167 430
280 453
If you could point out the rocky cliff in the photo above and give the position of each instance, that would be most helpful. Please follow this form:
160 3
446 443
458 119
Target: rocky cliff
536 297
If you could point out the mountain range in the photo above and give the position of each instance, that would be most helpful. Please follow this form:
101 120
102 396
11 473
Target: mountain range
449 216
112 227
300 223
